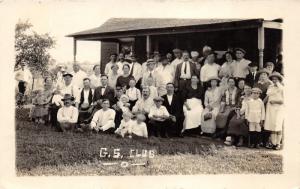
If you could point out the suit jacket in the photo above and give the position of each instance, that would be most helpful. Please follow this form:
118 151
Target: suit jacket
175 108
178 72
109 93
251 80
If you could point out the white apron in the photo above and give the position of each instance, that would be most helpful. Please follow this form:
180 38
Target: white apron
192 117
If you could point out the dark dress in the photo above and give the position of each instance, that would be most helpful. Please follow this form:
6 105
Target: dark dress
190 92
263 87
124 81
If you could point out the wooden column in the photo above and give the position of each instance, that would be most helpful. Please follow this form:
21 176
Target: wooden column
74 49
261 46
148 45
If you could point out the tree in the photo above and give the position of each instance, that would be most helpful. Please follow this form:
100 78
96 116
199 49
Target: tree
32 48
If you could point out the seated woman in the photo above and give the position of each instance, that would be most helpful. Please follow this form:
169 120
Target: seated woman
237 128
67 115
124 79
192 107
212 102
228 103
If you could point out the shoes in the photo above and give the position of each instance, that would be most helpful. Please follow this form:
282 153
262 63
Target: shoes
257 146
240 143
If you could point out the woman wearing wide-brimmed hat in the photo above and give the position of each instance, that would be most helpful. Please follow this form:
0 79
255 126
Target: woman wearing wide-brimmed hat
212 102
263 82
275 110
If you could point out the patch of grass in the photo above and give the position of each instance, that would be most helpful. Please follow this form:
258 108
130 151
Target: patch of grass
42 151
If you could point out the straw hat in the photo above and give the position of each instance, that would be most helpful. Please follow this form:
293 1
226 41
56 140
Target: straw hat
240 49
255 89
276 74
158 98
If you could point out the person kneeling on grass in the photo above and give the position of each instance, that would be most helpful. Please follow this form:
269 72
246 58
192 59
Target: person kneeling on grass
139 127
125 126
255 116
158 116
104 118
67 115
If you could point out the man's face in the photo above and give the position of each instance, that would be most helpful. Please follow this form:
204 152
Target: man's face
169 57
97 70
104 80
206 53
165 62
119 92
239 54
185 56
105 105
113 58
68 79
146 93
67 102
253 69
170 89
75 67
86 83
121 56
151 66
156 58
177 54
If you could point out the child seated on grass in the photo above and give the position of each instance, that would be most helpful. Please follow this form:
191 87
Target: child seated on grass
255 116
125 126
139 127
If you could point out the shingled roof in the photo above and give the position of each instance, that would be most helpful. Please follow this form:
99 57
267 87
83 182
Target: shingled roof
116 25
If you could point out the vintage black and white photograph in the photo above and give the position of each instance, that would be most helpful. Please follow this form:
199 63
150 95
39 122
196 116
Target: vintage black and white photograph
149 96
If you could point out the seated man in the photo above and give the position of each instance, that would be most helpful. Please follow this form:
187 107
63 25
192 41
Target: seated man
67 115
104 118
158 116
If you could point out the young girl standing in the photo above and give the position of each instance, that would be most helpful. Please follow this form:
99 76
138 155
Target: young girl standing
275 110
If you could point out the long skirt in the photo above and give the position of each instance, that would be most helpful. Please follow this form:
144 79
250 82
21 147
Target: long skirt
39 111
209 126
193 116
274 117
222 117
237 127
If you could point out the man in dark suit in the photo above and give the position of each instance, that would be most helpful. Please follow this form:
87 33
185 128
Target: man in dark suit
184 72
252 77
103 92
173 103
86 99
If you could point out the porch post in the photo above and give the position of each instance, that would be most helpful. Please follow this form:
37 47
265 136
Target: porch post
148 45
261 46
74 49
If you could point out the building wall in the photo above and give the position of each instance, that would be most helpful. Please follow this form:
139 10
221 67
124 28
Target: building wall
107 48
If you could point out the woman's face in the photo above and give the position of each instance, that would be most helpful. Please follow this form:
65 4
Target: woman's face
211 58
97 70
228 57
263 76
275 80
125 69
231 82
270 67
213 83
247 90
241 84
239 54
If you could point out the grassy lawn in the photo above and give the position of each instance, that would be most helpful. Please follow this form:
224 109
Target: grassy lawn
42 151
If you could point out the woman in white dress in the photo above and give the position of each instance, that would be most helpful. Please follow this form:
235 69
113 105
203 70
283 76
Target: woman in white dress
275 110
192 107
212 102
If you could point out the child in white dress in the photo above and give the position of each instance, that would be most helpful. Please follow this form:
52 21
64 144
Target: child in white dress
139 127
255 116
125 126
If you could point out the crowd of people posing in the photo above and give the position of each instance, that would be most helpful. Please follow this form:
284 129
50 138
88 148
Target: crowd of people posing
165 97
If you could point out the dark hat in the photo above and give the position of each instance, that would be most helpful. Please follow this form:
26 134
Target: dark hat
68 97
158 98
118 88
240 49
276 74
253 64
67 74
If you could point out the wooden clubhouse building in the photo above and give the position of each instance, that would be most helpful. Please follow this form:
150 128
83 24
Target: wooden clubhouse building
262 39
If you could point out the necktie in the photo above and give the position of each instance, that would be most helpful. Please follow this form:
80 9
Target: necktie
150 75
184 68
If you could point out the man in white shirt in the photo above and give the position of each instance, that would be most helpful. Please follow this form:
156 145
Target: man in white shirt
209 70
151 72
166 74
144 104
178 58
78 76
158 116
70 88
135 68
67 115
103 119
121 62
240 66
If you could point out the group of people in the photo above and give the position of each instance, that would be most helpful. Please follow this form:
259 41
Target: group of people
187 95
